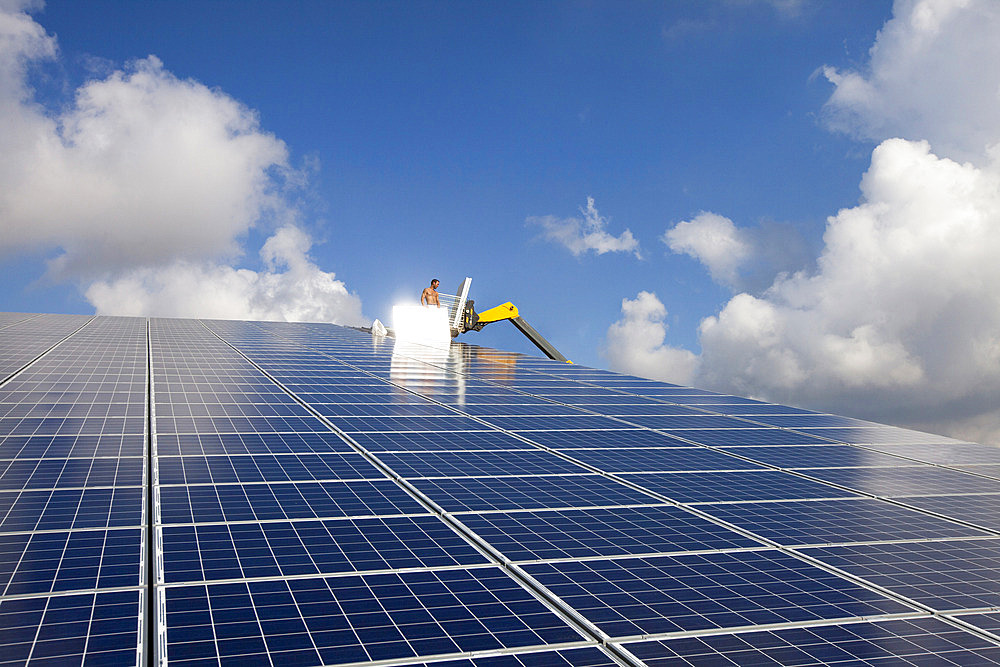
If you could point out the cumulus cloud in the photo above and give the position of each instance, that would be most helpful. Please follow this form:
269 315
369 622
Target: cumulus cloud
291 288
740 258
899 321
931 75
902 319
144 176
588 234
635 343
713 240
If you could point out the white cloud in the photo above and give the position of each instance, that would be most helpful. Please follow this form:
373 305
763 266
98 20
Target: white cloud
292 288
714 241
584 235
899 321
740 258
146 177
932 75
635 343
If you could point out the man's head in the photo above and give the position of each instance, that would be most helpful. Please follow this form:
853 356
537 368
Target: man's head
434 283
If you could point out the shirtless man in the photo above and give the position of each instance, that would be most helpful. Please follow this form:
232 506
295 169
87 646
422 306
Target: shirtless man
429 297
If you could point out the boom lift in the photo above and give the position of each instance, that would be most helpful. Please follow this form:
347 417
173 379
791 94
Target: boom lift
465 318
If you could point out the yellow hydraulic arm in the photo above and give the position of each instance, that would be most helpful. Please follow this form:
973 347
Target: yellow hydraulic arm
508 311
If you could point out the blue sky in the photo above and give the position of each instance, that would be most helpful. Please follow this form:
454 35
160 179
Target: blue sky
368 146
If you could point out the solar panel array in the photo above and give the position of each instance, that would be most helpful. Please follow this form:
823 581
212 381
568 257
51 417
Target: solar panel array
199 492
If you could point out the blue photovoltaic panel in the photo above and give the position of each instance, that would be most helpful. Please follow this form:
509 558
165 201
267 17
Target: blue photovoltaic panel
604 439
809 421
476 494
82 446
824 456
910 481
945 576
917 641
712 487
413 442
207 552
664 459
70 473
831 521
594 532
980 510
953 454
984 470
648 408
686 422
574 657
249 443
264 468
266 502
69 561
487 410
478 463
278 532
735 437
89 628
633 597
65 509
358 618
447 423
989 622
72 495
582 422
862 435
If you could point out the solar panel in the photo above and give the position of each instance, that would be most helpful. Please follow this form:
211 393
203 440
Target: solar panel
200 491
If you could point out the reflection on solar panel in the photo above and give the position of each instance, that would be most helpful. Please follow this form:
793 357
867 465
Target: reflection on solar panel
199 492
